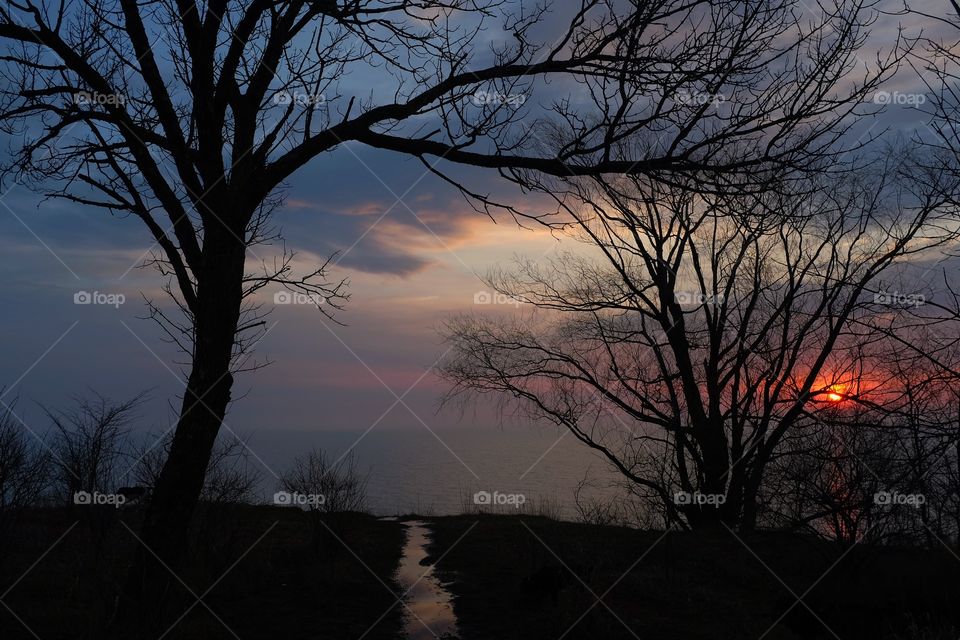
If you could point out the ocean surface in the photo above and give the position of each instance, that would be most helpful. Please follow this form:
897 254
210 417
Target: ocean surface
438 473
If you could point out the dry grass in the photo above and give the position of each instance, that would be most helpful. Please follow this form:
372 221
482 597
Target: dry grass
509 584
275 583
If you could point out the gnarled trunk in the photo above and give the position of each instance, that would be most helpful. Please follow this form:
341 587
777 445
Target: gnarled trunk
163 539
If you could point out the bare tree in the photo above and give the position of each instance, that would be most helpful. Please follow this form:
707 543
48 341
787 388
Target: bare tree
696 332
191 116
826 475
938 66
24 471
329 491
89 443
880 467
339 483
231 476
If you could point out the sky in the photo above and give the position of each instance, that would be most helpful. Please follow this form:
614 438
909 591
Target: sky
413 251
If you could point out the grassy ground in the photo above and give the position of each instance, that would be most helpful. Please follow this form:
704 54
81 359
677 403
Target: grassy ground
509 578
264 574
268 576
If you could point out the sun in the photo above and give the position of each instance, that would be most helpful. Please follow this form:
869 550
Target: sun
836 393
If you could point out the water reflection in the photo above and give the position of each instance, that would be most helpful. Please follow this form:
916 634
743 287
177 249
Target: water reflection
429 613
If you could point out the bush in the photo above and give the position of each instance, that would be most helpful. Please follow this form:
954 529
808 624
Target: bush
343 488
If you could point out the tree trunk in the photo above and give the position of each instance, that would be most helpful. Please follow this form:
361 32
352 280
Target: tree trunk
163 539
751 490
714 452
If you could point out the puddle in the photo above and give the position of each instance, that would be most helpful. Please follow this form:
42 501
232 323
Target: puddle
429 604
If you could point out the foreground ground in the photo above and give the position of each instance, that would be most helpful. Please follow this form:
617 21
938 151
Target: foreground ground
513 577
267 572
261 572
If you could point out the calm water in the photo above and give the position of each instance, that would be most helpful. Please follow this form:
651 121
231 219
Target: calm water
416 472
429 609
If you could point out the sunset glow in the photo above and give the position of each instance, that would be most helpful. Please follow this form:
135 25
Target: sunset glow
837 393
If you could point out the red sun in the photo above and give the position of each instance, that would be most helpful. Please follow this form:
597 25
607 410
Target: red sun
836 393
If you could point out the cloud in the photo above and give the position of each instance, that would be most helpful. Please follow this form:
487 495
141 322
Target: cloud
373 256
382 236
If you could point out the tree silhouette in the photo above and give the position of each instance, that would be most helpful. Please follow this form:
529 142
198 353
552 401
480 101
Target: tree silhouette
191 115
699 333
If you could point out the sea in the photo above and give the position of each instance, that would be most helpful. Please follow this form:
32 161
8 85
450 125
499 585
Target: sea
450 471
